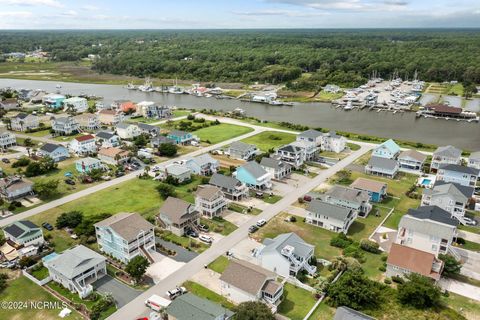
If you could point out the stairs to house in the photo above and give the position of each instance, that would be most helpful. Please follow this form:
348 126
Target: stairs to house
146 254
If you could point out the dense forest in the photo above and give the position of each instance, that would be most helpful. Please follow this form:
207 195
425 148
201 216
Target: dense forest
304 59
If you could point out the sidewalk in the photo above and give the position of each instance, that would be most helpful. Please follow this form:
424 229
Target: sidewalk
460 288
470 236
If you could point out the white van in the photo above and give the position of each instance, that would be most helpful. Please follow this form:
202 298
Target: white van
157 303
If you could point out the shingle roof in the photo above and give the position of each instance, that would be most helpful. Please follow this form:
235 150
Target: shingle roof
207 191
204 159
162 139
369 185
192 307
241 146
20 228
448 151
176 169
50 147
350 194
290 148
148 127
301 248
383 163
346 313
85 138
414 154
246 276
411 259
223 181
75 261
311 133
21 115
105 135
327 209
459 168
112 152
274 163
176 210
126 225
433 213
254 169
458 192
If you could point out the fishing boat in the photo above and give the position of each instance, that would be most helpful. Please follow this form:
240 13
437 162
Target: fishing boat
147 86
130 86
348 106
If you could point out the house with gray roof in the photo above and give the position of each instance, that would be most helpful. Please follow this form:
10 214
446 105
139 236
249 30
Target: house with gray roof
203 165
13 187
191 307
127 130
451 197
125 236
311 135
351 198
380 166
7 138
254 176
24 122
65 126
474 160
445 155
346 313
287 254
333 142
177 215
276 167
149 129
24 233
179 172
428 228
330 216
76 269
466 176
107 139
242 151
56 152
292 154
243 281
411 160
231 187
210 201
155 142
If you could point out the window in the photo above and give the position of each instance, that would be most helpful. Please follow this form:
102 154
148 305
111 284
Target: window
434 247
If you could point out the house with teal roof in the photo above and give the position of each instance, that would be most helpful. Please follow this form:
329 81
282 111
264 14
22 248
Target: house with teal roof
254 176
180 137
389 149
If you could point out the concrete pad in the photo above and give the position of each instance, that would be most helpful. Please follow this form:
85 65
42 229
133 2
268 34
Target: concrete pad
209 279
163 268
236 218
297 211
243 250
463 289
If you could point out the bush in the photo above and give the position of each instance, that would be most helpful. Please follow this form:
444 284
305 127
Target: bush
419 292
382 268
387 281
354 251
341 241
370 246
398 279
460 241
22 162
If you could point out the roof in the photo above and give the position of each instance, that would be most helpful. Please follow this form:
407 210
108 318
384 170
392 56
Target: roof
475 156
87 161
162 139
177 210
176 169
448 151
177 133
273 163
346 313
443 108
23 115
433 213
204 159
301 248
290 148
50 147
327 209
15 184
311 133
369 185
223 181
246 276
74 99
254 169
21 228
63 119
105 135
411 259
242 146
192 307
112 152
207 191
391 145
457 191
108 112
459 168
75 261
147 127
124 125
85 138
383 163
414 154
126 225
350 194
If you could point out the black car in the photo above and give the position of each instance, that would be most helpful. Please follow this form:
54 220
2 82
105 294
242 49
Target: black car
47 226
119 174
252 229
191 233
70 182
5 160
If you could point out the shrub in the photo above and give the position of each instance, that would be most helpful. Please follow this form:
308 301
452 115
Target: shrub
387 281
354 251
398 279
341 241
370 246
382 268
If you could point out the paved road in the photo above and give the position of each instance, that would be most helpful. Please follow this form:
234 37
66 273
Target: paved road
42 139
136 307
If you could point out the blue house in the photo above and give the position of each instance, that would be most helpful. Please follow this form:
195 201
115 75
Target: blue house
55 151
254 176
376 190
54 100
455 173
180 137
86 165
389 149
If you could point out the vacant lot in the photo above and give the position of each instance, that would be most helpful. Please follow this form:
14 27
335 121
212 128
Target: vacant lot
296 302
270 139
221 132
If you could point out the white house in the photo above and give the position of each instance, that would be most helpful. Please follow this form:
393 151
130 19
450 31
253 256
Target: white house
242 151
203 165
411 160
128 130
332 142
474 160
445 155
180 172
24 233
107 139
76 104
24 122
329 216
7 138
55 151
210 201
65 126
311 136
87 121
277 168
291 154
388 149
466 176
83 145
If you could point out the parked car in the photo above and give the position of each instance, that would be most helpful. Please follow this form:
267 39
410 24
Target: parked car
470 221
119 174
5 160
203 227
261 223
70 182
252 229
307 198
47 226
206 239
191 233
178 291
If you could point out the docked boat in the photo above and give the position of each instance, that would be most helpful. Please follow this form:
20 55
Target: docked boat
147 86
130 86
348 106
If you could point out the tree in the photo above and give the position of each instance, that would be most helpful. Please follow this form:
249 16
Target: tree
136 267
140 141
46 189
166 190
86 227
28 142
344 176
2 239
33 169
419 292
3 281
167 149
69 219
96 174
452 266
47 164
356 291
253 310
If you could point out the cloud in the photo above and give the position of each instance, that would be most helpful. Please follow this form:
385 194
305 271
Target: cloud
16 14
48 3
285 13
89 8
346 5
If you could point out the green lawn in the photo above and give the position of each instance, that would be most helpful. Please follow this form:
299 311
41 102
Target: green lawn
243 209
361 228
208 294
296 302
69 295
221 132
323 312
186 242
469 245
67 138
223 227
270 139
220 264
40 133
180 113
271 198
40 273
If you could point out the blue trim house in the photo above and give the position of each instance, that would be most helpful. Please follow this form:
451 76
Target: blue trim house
180 137
54 100
376 190
86 165
254 176
389 149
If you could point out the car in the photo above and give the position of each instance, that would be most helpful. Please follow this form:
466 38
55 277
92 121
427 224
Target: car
307 198
206 239
259 195
70 182
47 226
191 233
178 291
5 160
252 228
119 174
470 221
261 223
203 227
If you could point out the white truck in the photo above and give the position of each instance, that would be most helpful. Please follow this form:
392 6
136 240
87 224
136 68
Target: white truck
157 303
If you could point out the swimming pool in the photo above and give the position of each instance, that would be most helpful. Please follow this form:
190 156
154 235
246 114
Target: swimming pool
49 257
426 182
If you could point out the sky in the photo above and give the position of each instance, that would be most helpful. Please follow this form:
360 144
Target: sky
237 14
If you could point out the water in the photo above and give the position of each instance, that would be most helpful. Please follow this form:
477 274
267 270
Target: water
404 126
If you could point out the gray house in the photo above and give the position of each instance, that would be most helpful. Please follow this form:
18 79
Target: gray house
107 139
329 216
65 126
451 197
474 160
55 151
180 172
192 307
231 187
149 129
12 188
291 154
24 122
445 155
466 176
346 313
287 254
411 160
311 135
382 167
351 198
158 140
177 215
242 151
277 168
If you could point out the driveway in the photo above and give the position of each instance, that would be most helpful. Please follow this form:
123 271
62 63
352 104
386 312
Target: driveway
471 263
236 218
243 250
209 279
463 289
183 255
121 292
163 268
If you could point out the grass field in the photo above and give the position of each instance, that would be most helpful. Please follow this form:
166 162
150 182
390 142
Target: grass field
221 132
208 294
40 273
223 227
220 264
270 139
296 302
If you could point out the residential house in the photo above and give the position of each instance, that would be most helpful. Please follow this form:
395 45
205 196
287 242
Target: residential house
445 155
155 142
88 121
177 215
148 129
24 233
287 254
429 228
125 106
382 167
85 165
291 154
331 88
346 313
451 197
376 190
128 130
191 307
107 139
278 169
110 117
56 152
65 126
125 236
203 165
403 260
474 160
329 216
243 281
113 155
466 176
332 142
388 149
180 137
83 145
9 104
7 138
76 268
242 151
231 187
24 122
309 149
53 100
210 201
76 104
358 200
254 176
180 172
150 110
13 187
411 160
312 136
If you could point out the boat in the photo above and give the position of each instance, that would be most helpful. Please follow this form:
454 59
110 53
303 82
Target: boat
58 86
275 103
147 86
348 106
130 86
